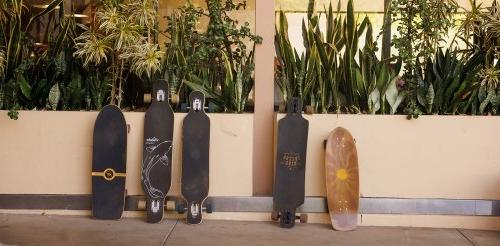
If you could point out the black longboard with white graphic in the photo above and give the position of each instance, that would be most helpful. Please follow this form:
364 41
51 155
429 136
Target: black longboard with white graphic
109 158
157 154
289 179
195 159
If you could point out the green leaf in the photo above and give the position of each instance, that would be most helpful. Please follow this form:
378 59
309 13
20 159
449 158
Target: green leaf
394 97
54 96
429 98
24 86
374 101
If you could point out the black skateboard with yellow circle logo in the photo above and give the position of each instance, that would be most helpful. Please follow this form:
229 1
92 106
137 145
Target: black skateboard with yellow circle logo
109 158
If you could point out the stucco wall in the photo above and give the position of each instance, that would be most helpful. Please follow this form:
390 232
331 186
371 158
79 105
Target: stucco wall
51 153
454 157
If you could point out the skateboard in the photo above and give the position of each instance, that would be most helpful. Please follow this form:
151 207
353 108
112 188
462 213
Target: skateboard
195 159
109 164
157 154
342 179
290 170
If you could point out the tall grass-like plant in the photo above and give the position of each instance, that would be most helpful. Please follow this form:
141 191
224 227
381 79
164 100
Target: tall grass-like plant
15 22
122 38
334 74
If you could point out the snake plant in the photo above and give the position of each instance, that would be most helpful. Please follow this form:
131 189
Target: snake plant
334 74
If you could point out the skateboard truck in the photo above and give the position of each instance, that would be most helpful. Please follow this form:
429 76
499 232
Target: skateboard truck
160 96
155 205
194 208
287 218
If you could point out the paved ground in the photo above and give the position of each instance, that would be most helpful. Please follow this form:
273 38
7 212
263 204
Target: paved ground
72 230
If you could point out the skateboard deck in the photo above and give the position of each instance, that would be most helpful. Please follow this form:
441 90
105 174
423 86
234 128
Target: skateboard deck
342 179
109 164
290 164
157 154
195 157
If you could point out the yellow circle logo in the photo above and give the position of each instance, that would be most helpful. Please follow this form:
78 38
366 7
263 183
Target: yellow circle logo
342 174
109 174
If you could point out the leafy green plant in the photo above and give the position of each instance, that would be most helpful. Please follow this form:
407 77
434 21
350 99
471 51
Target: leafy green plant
121 38
215 61
16 51
422 25
489 91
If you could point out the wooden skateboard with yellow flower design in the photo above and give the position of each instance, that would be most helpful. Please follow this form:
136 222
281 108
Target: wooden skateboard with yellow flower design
289 181
342 179
109 160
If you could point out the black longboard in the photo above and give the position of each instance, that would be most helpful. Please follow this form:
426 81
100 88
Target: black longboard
195 158
109 164
157 154
289 179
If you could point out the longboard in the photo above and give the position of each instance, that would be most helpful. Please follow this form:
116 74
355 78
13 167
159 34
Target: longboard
109 164
290 169
157 153
195 158
342 179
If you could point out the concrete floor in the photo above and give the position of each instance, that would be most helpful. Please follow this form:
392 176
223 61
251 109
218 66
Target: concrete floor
72 230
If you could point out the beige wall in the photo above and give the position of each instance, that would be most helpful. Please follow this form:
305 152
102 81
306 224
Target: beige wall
359 5
432 157
51 153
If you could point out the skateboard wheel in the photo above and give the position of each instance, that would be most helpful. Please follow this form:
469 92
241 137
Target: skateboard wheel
175 99
309 109
275 216
179 207
147 98
212 107
287 220
141 205
184 107
170 206
208 208
303 218
282 107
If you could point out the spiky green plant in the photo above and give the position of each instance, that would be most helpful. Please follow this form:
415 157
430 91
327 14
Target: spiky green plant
92 47
145 58
334 74
446 85
121 39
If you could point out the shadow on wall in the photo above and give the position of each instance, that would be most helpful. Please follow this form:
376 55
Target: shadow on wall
495 206
495 209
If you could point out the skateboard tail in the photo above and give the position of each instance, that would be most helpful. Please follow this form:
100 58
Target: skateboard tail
155 208
194 212
344 222
287 218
